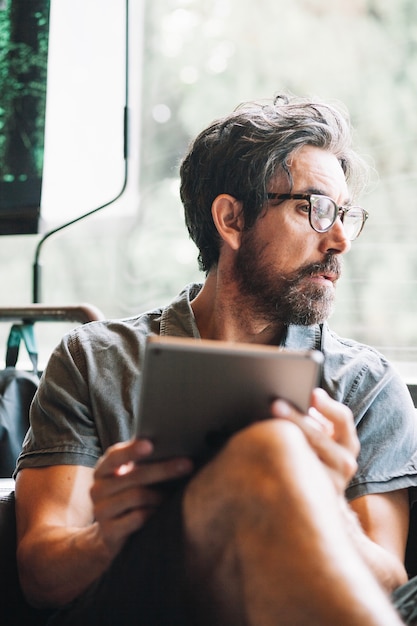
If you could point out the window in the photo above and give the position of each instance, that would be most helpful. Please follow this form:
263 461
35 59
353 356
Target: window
189 62
203 58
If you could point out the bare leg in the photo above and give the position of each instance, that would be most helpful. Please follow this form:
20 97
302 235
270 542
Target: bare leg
267 543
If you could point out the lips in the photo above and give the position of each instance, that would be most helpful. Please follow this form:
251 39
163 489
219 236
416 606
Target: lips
324 275
329 270
323 278
331 277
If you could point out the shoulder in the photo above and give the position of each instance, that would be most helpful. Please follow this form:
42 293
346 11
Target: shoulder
365 380
127 333
111 336
122 341
350 365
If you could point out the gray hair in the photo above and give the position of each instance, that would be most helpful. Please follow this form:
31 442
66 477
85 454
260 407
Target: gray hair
240 153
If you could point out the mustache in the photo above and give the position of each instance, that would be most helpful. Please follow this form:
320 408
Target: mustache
332 265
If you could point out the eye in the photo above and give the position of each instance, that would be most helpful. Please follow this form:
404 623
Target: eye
303 207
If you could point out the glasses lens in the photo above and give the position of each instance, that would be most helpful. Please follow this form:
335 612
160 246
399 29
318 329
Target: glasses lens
353 221
323 213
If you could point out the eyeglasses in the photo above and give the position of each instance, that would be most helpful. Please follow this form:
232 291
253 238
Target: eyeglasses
323 212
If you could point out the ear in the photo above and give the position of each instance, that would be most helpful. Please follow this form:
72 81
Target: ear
228 218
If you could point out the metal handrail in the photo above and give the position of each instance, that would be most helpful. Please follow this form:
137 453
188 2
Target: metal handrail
82 313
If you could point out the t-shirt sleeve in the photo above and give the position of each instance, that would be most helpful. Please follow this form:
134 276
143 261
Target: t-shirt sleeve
386 422
62 429
88 396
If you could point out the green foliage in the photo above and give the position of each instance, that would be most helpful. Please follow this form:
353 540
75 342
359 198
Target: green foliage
23 69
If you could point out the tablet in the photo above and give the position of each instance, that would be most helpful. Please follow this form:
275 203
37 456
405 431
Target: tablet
195 393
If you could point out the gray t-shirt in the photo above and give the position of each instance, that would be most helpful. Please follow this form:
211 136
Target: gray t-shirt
88 396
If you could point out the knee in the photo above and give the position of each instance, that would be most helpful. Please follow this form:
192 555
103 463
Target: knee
272 447
254 470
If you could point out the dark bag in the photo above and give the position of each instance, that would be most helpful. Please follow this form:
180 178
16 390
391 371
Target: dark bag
17 388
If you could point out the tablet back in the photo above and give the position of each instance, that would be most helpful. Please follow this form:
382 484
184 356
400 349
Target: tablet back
196 393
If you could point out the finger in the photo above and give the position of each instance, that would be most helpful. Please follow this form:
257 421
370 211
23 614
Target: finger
161 471
133 475
340 416
123 502
333 454
318 421
336 456
114 532
124 460
122 455
117 519
314 425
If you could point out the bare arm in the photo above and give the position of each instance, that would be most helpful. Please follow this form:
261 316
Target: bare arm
72 521
384 519
58 547
379 524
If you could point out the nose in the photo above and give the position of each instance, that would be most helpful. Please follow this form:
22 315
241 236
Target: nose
335 241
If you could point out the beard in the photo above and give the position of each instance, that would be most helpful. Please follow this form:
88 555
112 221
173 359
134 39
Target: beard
284 298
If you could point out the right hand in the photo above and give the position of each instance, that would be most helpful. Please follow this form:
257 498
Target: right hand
122 494
330 430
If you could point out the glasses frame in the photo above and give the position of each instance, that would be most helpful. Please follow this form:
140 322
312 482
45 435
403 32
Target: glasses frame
339 211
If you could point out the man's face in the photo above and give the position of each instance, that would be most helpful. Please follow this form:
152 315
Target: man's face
285 269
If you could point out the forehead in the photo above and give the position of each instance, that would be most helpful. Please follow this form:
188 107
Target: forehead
316 170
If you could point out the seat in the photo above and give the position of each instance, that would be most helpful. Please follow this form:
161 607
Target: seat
14 610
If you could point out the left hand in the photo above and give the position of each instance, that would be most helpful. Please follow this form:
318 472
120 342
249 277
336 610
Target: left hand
330 430
124 492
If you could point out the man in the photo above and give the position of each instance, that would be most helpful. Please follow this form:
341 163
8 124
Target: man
298 519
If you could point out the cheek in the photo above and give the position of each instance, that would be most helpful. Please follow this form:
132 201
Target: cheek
290 252
283 243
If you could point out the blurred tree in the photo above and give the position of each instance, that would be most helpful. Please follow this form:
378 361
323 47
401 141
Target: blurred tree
23 87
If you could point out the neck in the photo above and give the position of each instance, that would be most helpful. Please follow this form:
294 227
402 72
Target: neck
222 313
